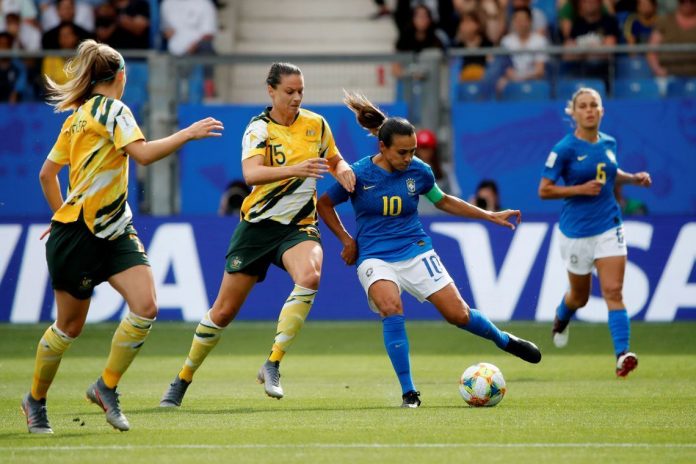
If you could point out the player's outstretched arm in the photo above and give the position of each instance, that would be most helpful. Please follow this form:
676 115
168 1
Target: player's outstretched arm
641 179
148 152
458 207
327 212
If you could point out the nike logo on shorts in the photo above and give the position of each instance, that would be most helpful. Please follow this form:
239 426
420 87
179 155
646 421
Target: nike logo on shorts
580 158
368 187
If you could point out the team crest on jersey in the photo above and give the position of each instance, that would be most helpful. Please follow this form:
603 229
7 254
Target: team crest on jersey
411 186
236 262
311 133
611 156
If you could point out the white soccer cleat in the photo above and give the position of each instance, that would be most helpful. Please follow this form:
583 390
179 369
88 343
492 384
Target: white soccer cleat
560 339
269 376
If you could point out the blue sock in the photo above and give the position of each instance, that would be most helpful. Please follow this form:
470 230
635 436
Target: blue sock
620 328
480 325
563 312
396 343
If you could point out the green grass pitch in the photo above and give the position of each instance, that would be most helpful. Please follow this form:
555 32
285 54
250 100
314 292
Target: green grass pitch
342 399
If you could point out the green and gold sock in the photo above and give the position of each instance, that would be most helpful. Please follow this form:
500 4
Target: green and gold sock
49 353
204 340
126 343
291 320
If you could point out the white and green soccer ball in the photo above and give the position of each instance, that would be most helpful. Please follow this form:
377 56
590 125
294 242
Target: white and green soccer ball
482 385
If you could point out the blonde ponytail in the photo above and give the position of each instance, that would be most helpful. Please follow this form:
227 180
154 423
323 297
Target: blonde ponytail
94 62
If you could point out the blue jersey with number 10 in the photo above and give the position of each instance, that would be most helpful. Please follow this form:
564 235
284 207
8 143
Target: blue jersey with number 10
386 210
577 161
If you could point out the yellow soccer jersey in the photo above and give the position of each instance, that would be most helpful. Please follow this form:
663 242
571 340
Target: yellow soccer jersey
288 201
91 142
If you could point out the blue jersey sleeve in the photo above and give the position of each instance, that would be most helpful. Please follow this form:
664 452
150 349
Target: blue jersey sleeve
553 167
428 179
338 194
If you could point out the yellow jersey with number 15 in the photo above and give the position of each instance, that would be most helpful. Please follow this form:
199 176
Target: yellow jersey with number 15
293 200
91 142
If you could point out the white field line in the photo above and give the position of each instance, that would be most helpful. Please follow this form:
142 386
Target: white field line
49 448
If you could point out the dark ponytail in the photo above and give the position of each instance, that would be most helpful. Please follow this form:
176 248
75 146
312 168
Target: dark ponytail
371 118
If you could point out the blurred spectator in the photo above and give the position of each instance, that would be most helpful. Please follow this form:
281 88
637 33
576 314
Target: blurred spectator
382 10
132 24
524 66
591 28
53 66
105 24
677 27
54 12
470 35
493 19
66 14
568 12
12 76
422 34
540 24
441 14
232 198
26 35
639 25
486 196
189 26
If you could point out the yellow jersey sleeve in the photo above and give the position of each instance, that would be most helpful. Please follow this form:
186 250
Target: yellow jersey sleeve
255 139
123 130
60 153
328 147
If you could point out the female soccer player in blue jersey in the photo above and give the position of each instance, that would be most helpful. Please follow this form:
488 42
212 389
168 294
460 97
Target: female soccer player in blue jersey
591 227
392 250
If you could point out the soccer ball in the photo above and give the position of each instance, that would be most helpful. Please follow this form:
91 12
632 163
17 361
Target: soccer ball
482 385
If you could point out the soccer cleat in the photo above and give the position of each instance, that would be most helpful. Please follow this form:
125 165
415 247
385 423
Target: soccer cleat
411 399
174 395
625 363
107 399
35 411
560 332
269 376
523 349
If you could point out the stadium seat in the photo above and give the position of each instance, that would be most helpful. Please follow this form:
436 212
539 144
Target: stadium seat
470 91
681 87
526 91
632 67
636 88
565 88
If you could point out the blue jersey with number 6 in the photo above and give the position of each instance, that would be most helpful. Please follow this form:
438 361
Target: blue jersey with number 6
577 161
386 209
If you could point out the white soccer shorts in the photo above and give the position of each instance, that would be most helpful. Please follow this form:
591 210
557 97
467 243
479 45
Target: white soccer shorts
421 276
579 254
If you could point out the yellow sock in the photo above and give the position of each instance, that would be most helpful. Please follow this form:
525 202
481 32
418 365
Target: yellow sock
204 340
127 341
291 320
48 355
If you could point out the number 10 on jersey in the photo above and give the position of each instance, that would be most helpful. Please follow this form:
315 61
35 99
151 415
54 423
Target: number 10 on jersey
391 206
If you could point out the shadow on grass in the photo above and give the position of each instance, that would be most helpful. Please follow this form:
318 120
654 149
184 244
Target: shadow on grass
247 410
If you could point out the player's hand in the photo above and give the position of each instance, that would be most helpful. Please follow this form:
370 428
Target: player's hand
591 188
45 232
350 251
313 167
345 176
643 179
508 218
208 127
